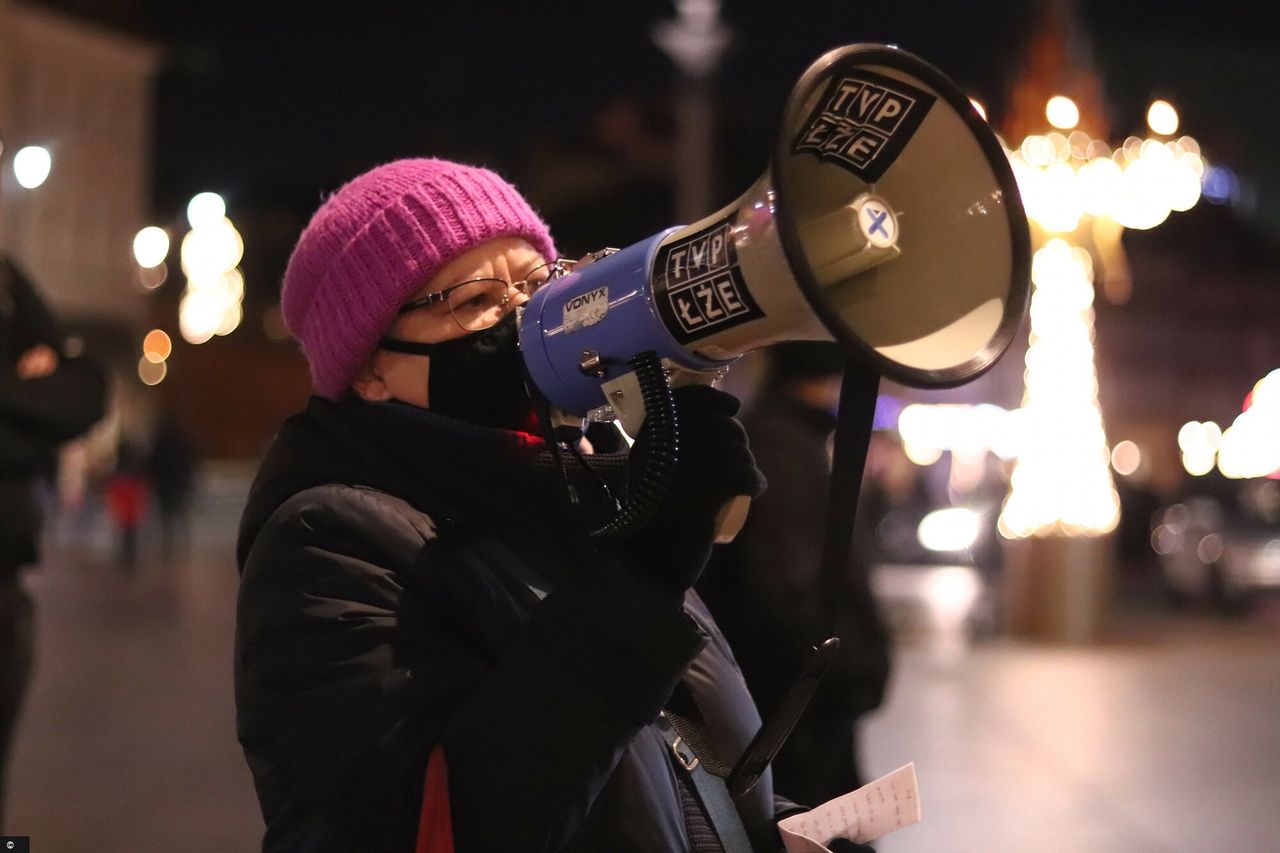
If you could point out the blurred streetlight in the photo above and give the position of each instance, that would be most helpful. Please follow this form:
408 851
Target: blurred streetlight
31 166
205 209
694 41
1162 118
1126 458
1248 448
1062 112
209 256
151 247
151 372
157 346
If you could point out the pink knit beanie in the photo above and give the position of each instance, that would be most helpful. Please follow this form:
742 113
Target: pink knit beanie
378 240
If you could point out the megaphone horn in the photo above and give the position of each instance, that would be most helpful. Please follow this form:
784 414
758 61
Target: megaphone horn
889 221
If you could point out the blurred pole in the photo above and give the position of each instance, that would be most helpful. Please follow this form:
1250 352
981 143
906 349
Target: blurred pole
694 41
694 189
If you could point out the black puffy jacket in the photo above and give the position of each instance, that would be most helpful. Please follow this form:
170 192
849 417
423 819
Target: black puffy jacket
385 607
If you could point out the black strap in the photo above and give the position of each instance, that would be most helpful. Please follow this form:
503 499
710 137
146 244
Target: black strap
768 742
693 734
711 788
849 459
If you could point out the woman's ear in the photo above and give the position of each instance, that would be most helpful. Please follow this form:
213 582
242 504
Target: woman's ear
369 384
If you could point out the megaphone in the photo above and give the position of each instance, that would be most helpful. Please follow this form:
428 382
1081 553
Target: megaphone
888 221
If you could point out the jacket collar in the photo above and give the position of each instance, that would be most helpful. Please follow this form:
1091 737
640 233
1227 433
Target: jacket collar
479 477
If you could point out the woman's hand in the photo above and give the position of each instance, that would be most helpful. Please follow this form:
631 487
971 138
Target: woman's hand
715 465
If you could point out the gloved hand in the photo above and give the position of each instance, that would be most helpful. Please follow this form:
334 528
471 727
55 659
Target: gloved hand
714 465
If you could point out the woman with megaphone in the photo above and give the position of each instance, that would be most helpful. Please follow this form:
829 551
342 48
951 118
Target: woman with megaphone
431 652
448 636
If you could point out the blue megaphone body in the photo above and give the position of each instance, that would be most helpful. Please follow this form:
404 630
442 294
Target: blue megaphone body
581 330
696 297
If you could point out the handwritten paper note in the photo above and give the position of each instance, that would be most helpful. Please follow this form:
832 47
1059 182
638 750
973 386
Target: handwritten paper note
877 808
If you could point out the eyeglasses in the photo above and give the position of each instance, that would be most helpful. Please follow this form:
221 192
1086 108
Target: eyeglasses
480 303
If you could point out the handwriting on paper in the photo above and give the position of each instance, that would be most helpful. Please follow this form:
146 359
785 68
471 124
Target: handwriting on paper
874 810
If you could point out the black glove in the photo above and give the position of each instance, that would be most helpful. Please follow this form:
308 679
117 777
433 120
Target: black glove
844 845
715 464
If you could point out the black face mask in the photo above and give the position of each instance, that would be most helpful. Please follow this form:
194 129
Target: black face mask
478 378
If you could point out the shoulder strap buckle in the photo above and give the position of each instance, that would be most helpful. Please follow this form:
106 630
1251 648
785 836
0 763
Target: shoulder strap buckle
683 754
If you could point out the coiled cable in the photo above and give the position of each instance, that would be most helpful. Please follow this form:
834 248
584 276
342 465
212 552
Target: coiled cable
660 434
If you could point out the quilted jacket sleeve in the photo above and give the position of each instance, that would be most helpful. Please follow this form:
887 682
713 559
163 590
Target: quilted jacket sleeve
359 648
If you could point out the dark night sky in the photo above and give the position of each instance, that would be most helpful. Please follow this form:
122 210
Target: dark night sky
278 98
265 94
274 104
290 94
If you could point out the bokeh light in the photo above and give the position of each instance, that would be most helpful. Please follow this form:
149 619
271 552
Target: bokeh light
211 250
151 247
153 277
1220 184
157 346
1249 447
1062 112
273 324
1063 179
951 529
930 429
210 254
31 166
205 209
1126 458
151 372
1162 118
231 318
200 315
1197 463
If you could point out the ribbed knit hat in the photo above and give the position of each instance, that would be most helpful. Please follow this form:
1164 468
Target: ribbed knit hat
377 241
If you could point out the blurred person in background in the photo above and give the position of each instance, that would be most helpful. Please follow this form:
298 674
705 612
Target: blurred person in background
766 589
127 493
171 469
429 649
46 398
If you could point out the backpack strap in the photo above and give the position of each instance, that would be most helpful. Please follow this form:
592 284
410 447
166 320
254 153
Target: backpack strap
711 788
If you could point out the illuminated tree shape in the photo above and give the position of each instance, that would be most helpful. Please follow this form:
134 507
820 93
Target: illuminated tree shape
1061 481
1078 191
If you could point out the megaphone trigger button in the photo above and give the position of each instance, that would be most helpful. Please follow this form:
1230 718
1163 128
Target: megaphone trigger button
591 364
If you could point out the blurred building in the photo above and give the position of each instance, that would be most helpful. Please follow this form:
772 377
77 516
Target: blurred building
85 94
1195 335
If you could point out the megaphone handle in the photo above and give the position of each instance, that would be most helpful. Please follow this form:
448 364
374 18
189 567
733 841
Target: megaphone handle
771 737
646 495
